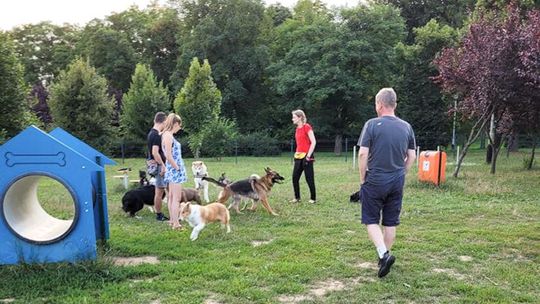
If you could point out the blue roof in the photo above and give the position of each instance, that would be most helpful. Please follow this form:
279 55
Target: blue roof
80 146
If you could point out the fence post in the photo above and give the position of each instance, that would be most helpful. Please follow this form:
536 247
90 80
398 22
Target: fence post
346 148
122 150
236 152
417 154
354 157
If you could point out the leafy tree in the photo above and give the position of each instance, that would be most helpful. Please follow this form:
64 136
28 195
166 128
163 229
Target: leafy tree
39 96
333 70
79 103
226 32
13 107
145 97
110 52
419 13
278 13
421 102
45 49
485 71
198 102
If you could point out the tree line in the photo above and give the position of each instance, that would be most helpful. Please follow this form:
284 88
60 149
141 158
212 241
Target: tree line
237 68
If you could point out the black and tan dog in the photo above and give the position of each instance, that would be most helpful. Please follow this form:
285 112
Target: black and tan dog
255 187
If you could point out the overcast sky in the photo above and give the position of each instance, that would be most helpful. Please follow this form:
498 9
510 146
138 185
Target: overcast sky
17 12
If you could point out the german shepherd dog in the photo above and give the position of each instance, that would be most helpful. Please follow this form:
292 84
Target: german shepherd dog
256 188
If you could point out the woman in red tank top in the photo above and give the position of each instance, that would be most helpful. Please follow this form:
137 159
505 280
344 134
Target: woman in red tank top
303 158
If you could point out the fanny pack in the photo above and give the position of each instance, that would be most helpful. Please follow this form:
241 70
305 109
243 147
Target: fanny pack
152 167
299 155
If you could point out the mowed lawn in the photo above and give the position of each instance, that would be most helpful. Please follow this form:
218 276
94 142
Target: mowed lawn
475 239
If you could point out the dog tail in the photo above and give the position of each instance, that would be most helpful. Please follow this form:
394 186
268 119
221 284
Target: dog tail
206 178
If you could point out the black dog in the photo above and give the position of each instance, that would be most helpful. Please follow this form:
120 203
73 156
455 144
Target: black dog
355 197
134 200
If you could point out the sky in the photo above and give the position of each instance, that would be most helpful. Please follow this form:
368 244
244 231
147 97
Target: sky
17 12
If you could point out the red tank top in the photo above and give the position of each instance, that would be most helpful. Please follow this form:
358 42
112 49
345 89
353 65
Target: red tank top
302 139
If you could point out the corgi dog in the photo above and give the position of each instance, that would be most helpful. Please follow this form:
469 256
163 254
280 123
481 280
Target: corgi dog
200 170
198 216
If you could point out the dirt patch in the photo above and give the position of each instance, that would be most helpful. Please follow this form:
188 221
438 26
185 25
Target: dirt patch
155 302
368 265
319 290
260 243
293 299
7 300
322 288
350 231
465 258
450 272
134 261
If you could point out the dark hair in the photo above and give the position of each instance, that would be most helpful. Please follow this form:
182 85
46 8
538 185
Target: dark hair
160 117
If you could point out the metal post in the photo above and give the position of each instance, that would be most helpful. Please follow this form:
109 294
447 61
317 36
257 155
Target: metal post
417 154
122 148
354 157
346 148
236 152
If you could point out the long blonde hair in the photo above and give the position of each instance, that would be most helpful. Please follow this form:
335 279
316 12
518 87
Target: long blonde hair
301 114
172 119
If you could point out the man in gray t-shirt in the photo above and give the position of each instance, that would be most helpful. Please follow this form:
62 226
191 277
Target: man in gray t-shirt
387 151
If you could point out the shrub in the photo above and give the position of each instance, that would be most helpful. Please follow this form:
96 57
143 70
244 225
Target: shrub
258 144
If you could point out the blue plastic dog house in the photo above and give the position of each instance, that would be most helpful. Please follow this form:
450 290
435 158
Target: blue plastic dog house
28 234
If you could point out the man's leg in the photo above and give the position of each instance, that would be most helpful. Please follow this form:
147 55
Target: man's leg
376 236
158 199
389 236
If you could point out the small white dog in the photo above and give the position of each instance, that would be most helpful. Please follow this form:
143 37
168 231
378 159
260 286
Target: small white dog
200 170
198 216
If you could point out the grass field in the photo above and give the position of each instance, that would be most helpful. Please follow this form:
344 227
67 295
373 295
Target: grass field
475 239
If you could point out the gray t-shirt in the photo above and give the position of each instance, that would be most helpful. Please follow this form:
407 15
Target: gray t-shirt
388 139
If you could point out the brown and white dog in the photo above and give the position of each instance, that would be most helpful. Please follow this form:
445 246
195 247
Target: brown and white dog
198 216
255 187
200 170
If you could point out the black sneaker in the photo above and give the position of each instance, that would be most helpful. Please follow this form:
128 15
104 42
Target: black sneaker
161 217
385 263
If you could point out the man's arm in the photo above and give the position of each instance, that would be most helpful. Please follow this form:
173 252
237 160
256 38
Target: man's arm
411 156
362 163
155 154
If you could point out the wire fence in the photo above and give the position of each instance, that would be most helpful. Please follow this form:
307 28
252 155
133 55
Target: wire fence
344 148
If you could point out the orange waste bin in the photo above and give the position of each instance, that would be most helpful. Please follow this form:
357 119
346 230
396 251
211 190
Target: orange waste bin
432 167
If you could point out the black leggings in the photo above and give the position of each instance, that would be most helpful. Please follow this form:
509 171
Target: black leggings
300 165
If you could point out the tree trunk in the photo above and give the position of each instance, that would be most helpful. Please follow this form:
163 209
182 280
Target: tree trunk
338 143
473 135
489 154
529 167
495 152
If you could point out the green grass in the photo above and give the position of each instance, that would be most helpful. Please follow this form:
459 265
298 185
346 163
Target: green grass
475 239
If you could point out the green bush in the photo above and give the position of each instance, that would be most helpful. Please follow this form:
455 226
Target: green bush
258 144
217 138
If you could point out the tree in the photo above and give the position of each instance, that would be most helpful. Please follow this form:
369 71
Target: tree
278 13
420 100
111 53
485 72
79 103
198 102
226 33
45 49
333 70
418 13
13 107
145 97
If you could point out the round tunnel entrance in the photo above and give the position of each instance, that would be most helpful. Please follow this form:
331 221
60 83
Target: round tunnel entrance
40 208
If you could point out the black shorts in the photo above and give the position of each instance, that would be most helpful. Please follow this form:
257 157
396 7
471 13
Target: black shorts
382 200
